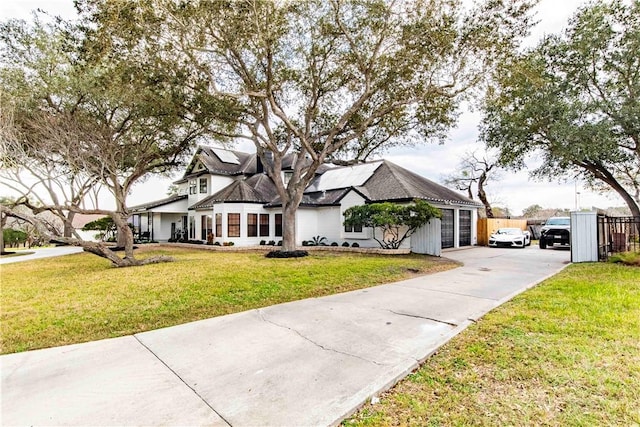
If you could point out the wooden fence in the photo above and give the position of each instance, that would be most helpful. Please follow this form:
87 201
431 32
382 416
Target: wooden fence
486 226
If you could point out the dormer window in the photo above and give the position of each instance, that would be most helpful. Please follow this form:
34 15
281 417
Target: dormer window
192 186
203 185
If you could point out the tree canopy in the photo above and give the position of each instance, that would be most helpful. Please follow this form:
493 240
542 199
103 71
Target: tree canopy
572 103
396 222
324 80
91 109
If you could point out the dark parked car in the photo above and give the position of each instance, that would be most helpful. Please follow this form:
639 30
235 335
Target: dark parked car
555 231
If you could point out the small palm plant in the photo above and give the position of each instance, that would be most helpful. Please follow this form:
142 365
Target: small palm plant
317 241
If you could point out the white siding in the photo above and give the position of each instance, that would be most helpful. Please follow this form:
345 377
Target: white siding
330 223
215 183
428 239
307 224
584 237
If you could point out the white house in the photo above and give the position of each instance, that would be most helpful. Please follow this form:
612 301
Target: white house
225 196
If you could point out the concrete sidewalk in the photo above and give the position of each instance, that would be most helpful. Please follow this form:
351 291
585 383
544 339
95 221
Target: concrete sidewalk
38 253
303 363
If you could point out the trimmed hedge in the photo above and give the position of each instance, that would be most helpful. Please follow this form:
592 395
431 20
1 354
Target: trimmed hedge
287 254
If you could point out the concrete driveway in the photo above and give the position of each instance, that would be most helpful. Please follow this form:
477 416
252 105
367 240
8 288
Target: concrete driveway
304 363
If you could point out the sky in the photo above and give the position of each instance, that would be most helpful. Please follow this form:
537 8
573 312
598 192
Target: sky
515 191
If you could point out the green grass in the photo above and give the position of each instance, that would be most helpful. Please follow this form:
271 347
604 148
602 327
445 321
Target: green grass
79 298
564 353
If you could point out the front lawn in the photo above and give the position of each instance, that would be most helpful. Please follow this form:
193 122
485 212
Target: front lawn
564 353
78 298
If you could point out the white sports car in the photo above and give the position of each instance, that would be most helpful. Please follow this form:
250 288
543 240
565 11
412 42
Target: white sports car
510 237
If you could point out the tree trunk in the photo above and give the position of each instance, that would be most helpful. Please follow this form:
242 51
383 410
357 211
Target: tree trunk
68 225
2 220
125 234
482 195
289 226
607 177
121 236
96 248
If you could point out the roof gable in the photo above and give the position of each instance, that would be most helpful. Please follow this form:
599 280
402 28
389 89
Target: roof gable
220 161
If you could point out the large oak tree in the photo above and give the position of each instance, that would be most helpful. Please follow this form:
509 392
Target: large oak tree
109 111
573 102
327 80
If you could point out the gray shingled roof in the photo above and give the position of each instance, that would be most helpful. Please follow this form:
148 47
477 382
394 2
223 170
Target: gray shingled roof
236 192
391 182
248 163
157 203
387 182
215 165
317 198
256 189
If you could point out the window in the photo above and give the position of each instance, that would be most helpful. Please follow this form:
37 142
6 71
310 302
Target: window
219 225
278 220
192 186
203 185
353 229
206 227
192 227
233 225
252 225
264 224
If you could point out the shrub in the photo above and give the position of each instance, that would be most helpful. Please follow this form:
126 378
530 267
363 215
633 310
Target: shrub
272 242
279 242
317 241
626 258
355 245
287 254
345 245
334 244
216 244
172 240
228 244
263 242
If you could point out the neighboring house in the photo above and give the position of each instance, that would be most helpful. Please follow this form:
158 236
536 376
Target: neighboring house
226 196
80 220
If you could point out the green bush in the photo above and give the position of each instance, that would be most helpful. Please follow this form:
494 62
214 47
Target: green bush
13 237
626 258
